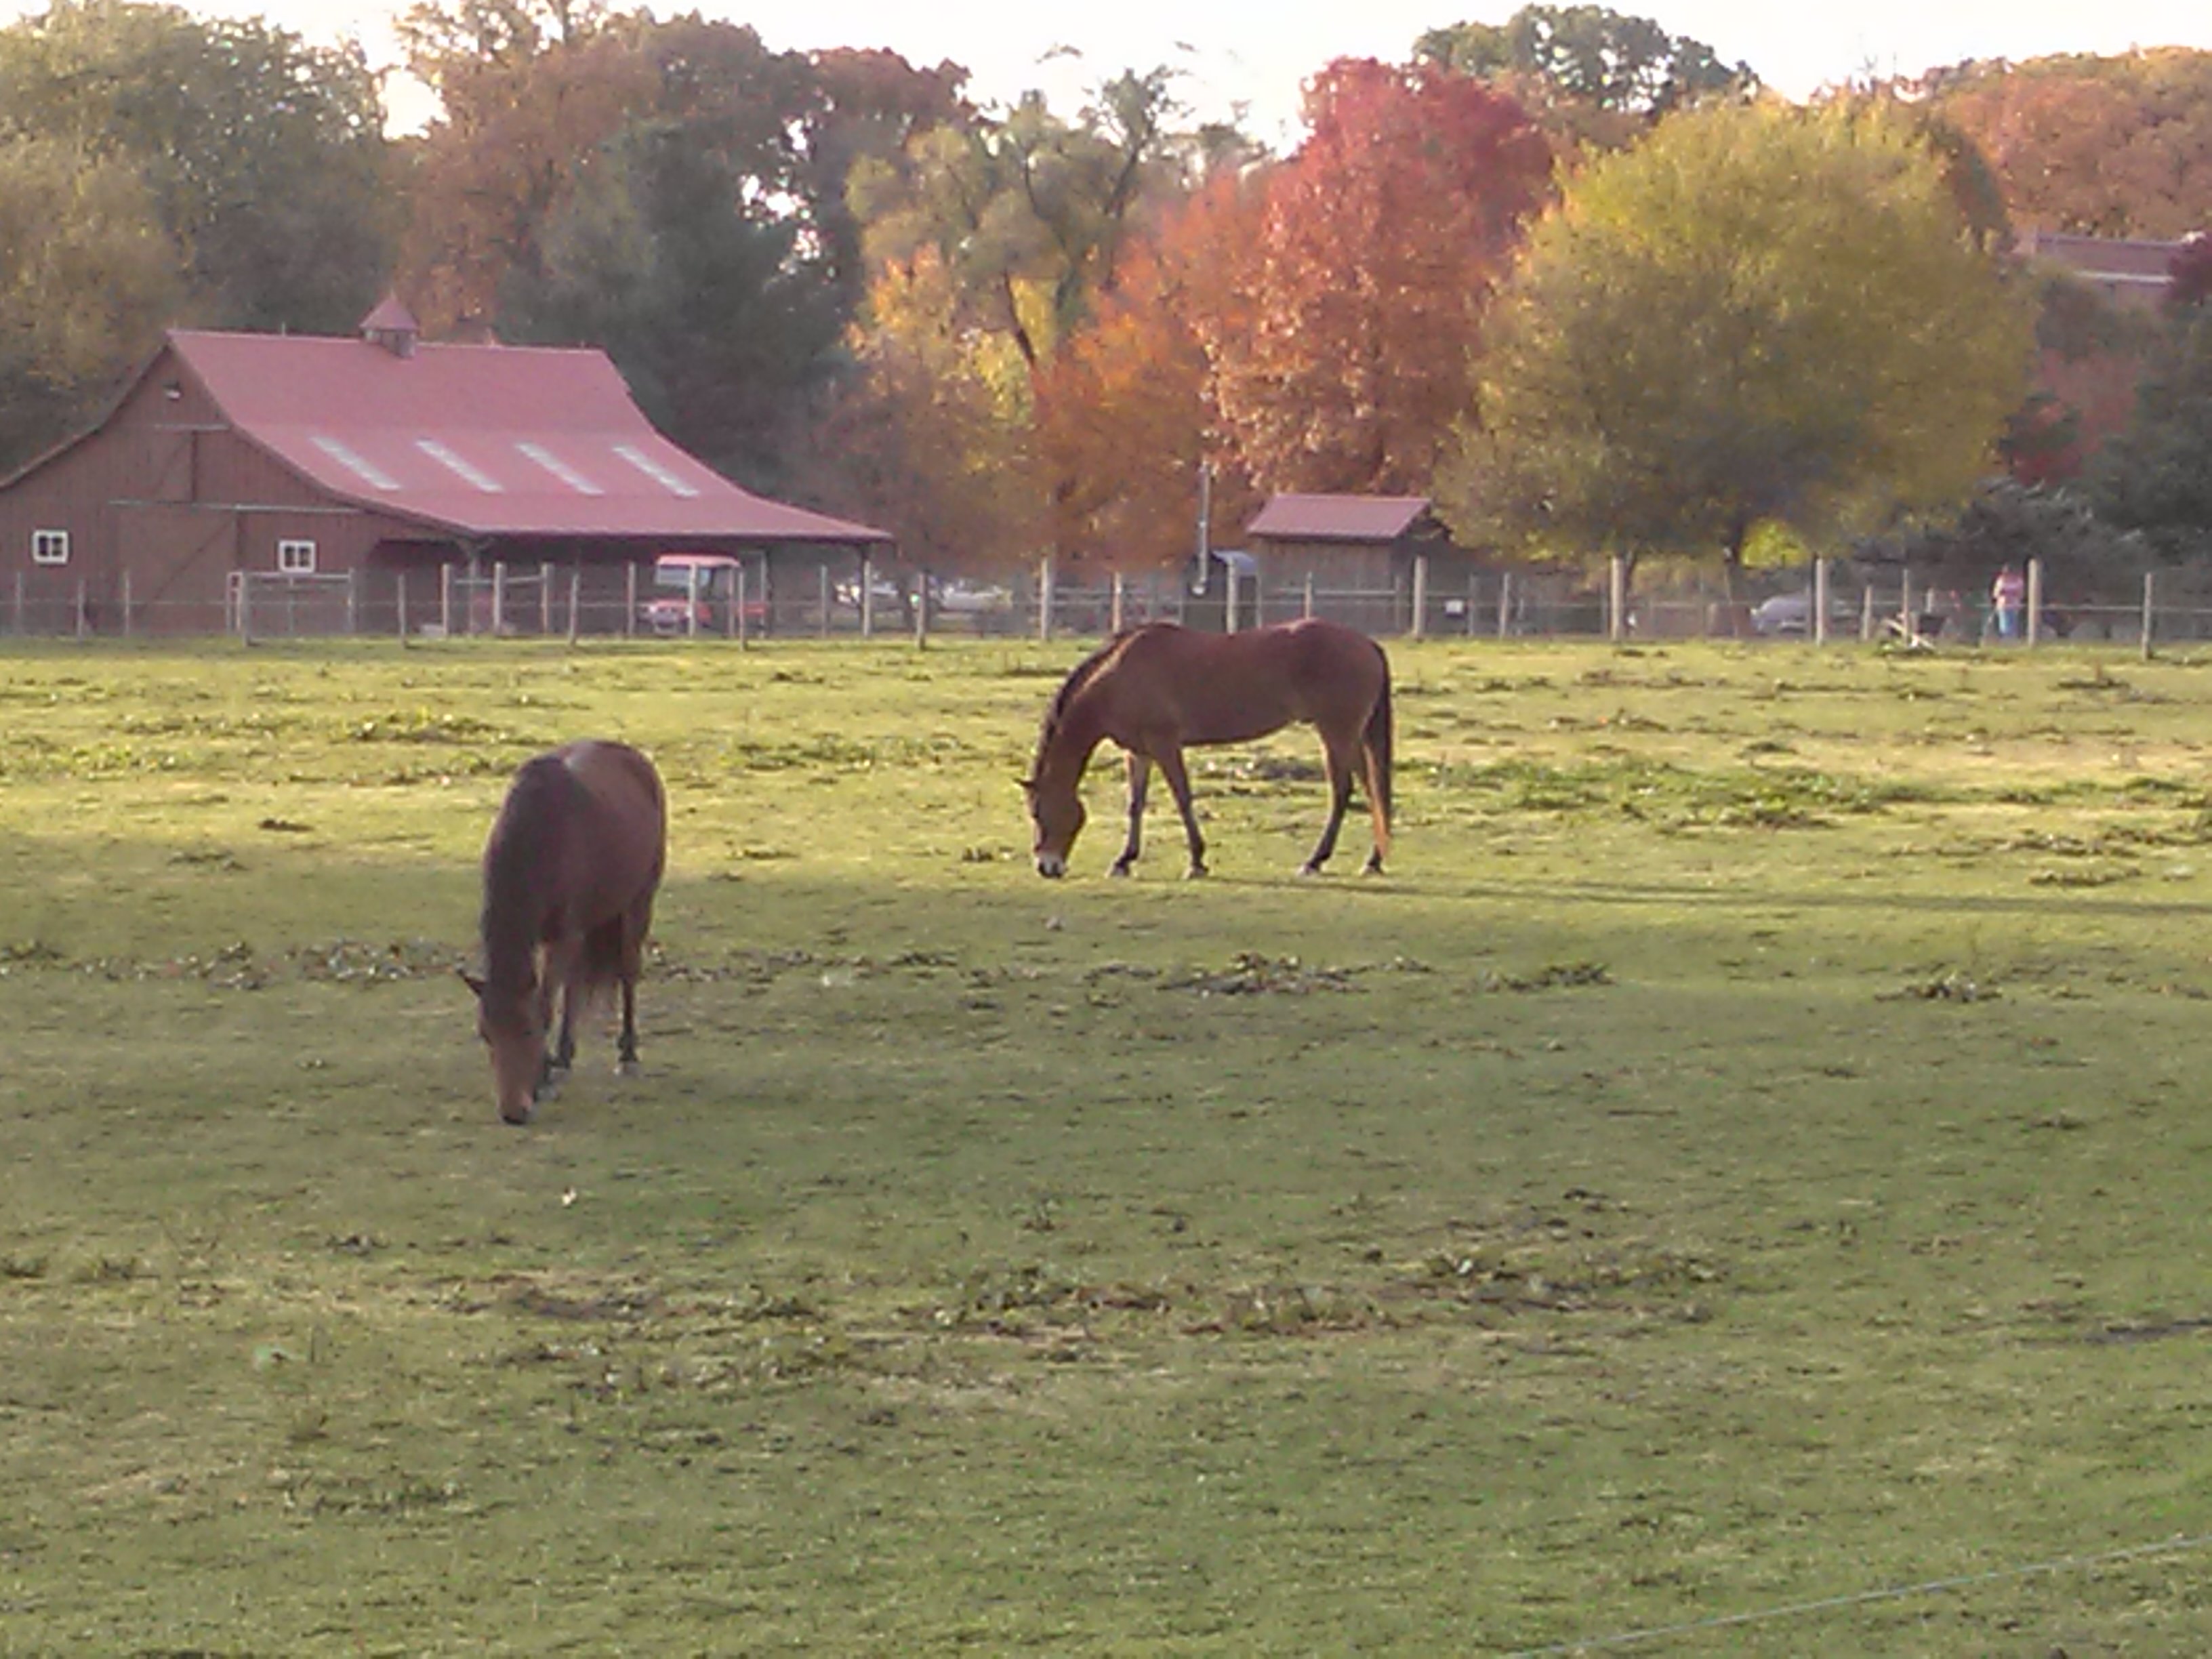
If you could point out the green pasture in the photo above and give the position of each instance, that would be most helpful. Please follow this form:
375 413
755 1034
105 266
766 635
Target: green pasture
1750 1155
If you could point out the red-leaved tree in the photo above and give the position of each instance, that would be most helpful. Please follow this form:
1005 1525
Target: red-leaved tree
1375 254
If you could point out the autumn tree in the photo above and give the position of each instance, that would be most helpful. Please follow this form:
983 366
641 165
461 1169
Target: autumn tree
1375 254
928 436
1759 316
1128 412
2098 146
1019 227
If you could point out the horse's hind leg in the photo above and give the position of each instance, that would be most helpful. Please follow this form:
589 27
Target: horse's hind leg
1141 775
1339 765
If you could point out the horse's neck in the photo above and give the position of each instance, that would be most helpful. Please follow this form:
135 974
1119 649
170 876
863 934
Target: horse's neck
515 906
1081 729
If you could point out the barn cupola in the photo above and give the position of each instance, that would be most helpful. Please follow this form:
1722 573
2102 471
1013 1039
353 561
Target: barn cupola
391 326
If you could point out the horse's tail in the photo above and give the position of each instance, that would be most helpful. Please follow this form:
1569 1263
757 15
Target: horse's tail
1375 744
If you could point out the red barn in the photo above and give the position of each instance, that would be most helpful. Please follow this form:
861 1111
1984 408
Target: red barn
353 471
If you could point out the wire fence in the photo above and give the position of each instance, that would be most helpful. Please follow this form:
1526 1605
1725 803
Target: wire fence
603 602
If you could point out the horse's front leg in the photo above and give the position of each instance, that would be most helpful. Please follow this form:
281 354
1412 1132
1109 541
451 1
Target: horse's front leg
1171 768
553 988
1141 775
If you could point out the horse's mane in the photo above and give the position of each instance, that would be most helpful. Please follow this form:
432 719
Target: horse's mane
1055 714
524 849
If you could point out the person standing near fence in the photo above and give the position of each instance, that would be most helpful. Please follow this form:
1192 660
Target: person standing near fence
2006 594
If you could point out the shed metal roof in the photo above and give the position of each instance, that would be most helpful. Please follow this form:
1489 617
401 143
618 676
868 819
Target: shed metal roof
481 440
1337 517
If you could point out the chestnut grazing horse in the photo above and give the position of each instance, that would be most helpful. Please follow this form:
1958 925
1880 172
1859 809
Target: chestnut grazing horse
1158 689
569 874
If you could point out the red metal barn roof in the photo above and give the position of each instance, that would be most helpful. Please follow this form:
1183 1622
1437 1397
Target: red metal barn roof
481 440
2130 268
1337 517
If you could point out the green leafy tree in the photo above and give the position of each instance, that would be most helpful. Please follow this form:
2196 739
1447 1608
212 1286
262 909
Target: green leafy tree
262 158
1761 315
719 323
86 280
1594 78
2157 476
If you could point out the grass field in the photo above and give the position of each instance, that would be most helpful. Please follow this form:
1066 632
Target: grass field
1750 1154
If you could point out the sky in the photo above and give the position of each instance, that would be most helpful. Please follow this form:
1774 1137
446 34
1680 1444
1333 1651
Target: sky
1253 54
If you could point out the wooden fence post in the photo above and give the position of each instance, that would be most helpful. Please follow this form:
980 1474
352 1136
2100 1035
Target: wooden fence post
399 604
445 599
1819 629
1504 603
1866 616
740 585
1421 595
921 612
1906 631
867 598
127 601
575 601
498 598
545 597
1229 617
2034 631
1616 599
1115 606
1044 600
2150 591
629 600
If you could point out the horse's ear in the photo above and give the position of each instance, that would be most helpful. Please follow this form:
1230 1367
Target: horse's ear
472 981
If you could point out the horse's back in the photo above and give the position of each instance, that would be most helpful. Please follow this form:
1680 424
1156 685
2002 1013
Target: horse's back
1228 688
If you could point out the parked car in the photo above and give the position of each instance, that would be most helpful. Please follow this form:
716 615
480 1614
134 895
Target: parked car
972 598
1789 613
665 610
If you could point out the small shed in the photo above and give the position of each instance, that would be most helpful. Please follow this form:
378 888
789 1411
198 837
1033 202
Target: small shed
338 468
1356 554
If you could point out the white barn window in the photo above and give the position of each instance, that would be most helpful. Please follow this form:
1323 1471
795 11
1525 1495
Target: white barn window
295 558
50 546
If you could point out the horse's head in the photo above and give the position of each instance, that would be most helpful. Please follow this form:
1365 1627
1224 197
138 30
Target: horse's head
1056 810
511 1023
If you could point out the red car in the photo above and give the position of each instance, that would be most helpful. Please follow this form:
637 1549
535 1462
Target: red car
717 577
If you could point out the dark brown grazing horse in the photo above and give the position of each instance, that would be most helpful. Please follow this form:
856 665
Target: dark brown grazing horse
1157 689
569 874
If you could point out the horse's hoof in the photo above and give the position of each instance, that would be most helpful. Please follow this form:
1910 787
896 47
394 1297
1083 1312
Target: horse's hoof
1372 868
627 1067
517 1119
1121 871
1196 872
1309 868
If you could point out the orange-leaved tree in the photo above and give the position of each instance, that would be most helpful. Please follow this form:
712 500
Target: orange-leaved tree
1128 413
